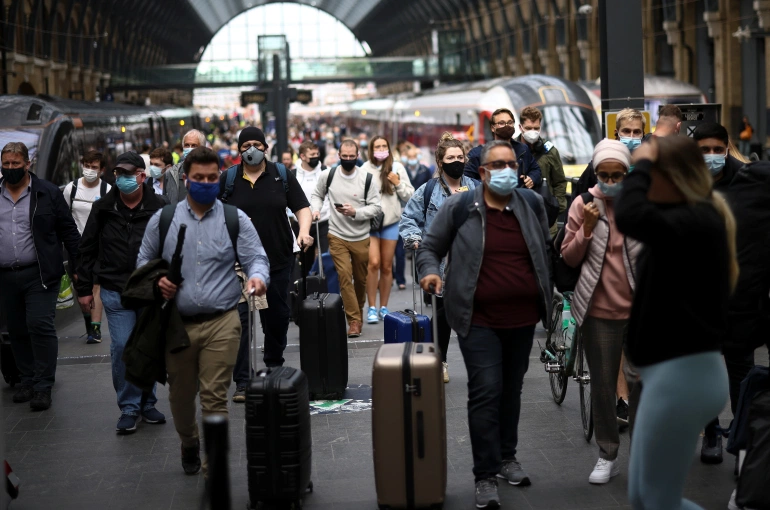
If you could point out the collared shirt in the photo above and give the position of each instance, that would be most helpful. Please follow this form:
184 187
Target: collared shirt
17 246
156 186
208 266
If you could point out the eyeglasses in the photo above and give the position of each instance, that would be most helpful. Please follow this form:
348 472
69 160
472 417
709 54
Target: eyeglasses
616 177
510 123
500 164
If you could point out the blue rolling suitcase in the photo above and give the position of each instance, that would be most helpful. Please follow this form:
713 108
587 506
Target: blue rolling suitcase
408 325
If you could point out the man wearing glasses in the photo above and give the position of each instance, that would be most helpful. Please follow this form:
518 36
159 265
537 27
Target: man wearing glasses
503 128
113 236
493 298
355 200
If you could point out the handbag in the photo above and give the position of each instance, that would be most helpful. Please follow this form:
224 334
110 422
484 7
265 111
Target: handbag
376 222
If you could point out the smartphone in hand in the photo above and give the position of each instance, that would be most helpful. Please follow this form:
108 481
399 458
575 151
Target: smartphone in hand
338 206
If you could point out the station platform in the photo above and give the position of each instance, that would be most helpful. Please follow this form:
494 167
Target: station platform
69 457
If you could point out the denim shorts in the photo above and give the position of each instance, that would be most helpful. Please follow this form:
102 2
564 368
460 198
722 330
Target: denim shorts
389 233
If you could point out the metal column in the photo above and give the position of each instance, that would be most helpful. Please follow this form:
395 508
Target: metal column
622 65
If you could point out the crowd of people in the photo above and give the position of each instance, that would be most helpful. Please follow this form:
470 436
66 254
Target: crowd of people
650 225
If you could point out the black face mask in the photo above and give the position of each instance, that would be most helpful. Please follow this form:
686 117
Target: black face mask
505 133
313 162
348 164
454 169
13 175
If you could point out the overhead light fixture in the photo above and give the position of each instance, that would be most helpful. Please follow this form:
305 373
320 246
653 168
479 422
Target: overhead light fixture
181 123
363 112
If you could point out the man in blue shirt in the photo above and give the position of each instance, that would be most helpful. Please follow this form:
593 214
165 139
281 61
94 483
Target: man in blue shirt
207 299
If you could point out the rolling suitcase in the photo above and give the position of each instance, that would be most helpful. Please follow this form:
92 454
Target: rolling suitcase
308 284
278 440
323 346
409 426
408 325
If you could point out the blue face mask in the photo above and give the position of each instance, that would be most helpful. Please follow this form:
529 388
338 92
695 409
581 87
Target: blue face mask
609 190
631 143
502 182
203 193
412 162
126 184
715 162
186 151
155 172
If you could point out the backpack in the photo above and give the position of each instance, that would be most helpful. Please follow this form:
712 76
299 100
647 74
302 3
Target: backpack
102 191
231 222
428 193
233 171
366 188
565 277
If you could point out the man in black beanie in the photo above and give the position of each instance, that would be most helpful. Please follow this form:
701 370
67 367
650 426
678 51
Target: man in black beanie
263 190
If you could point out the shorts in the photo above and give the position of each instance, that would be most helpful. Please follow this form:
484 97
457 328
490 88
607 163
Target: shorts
389 233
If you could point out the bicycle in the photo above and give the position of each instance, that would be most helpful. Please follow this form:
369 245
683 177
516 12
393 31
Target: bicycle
564 356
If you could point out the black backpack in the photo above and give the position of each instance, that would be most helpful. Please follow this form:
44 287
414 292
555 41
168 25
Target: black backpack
102 191
565 277
232 224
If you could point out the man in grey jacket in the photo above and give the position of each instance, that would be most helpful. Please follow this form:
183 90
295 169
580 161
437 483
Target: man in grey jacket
174 190
498 289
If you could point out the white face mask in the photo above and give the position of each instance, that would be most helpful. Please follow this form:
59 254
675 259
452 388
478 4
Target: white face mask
90 175
531 136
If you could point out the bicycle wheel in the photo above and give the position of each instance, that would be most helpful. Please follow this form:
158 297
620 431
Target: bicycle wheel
583 377
558 379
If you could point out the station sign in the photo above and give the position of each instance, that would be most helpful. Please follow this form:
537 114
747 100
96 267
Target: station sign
695 114
303 96
254 96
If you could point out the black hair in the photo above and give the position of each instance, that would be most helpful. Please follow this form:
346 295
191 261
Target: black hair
201 156
711 130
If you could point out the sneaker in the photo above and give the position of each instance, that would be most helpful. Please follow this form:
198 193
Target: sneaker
622 412
41 400
240 394
371 316
383 312
603 471
446 371
95 335
191 459
127 424
24 394
513 473
486 494
153 416
711 451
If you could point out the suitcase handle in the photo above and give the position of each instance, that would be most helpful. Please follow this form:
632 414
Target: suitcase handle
414 283
318 243
433 322
253 327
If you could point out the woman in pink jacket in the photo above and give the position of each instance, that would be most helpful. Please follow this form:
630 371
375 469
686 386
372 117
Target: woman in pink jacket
601 303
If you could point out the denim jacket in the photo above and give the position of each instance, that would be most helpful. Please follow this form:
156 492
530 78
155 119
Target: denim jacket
413 224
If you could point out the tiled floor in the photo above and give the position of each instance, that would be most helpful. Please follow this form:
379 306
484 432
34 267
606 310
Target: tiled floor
70 457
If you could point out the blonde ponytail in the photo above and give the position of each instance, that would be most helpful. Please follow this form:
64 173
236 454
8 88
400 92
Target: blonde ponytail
723 208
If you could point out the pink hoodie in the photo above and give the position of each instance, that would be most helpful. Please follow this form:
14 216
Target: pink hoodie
612 297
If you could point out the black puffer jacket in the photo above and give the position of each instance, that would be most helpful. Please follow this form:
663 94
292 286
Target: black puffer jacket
748 194
110 242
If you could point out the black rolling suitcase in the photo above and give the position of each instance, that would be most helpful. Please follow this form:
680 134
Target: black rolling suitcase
323 345
7 360
278 440
307 284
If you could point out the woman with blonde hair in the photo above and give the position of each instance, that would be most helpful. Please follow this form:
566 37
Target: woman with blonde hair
685 275
395 186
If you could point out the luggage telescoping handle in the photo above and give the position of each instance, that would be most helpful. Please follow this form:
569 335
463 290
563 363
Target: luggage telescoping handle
253 327
433 320
318 245
414 283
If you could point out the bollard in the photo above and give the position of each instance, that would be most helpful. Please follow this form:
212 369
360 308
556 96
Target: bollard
217 448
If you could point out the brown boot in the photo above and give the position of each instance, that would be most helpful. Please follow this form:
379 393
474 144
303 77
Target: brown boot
355 329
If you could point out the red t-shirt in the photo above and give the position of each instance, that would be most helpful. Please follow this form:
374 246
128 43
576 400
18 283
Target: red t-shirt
506 291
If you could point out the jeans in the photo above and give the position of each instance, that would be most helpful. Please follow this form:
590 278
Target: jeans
679 396
241 370
399 271
275 318
496 360
121 322
31 309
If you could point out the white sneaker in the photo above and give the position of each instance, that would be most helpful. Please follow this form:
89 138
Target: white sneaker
446 371
604 470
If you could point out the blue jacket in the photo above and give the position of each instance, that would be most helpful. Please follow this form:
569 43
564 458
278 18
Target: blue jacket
52 226
527 164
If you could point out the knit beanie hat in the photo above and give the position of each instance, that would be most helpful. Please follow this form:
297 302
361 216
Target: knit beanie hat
611 150
251 133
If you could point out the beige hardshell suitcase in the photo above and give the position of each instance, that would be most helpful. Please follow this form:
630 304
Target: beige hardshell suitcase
409 426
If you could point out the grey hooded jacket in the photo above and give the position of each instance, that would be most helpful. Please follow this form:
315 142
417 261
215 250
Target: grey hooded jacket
466 250
174 189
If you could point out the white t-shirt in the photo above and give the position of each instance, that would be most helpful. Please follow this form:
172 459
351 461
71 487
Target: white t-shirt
309 182
84 199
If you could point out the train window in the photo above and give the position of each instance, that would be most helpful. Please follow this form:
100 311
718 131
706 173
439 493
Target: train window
573 130
34 114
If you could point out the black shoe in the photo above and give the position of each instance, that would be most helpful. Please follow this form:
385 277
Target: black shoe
24 394
191 459
41 401
711 451
622 412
